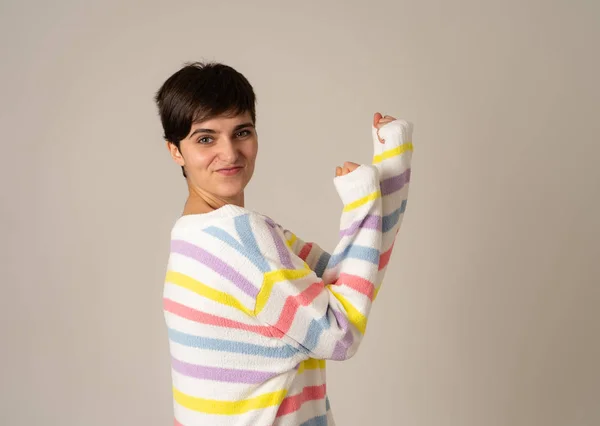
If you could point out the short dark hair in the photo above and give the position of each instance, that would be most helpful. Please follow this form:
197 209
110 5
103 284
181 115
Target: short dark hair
200 91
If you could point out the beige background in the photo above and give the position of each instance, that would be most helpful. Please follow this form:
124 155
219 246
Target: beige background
490 314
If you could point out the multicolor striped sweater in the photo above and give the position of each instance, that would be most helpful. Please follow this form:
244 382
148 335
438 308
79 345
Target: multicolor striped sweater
253 311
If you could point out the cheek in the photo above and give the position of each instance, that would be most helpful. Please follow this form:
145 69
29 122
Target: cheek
201 159
250 150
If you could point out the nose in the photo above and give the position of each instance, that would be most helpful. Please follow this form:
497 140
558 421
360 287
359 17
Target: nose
228 152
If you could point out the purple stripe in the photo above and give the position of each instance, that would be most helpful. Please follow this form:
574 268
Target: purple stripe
341 347
282 249
370 221
395 183
214 263
220 374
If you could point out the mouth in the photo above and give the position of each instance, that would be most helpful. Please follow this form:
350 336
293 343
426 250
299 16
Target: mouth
230 171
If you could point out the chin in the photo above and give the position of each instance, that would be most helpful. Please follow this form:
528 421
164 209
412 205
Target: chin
232 192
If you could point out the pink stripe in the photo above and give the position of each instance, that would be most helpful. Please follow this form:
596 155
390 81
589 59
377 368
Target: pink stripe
293 403
204 318
359 284
293 303
305 251
385 257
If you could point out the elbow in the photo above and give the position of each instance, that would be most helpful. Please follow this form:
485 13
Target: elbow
347 347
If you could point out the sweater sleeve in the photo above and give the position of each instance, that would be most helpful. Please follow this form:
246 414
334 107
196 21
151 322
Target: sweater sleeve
325 319
393 161
315 257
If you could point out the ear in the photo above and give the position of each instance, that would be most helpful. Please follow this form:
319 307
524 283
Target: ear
175 153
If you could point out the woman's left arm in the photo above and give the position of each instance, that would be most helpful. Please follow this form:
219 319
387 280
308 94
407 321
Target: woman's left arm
393 161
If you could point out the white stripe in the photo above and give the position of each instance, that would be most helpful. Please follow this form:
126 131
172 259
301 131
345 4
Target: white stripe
228 391
203 304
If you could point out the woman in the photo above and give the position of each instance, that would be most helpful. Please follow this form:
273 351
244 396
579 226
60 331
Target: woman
253 311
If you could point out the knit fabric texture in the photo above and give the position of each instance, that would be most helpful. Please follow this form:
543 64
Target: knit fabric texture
253 311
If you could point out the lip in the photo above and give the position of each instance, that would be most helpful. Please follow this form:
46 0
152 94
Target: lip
230 171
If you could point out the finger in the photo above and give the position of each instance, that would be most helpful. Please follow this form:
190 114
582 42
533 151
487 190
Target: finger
379 137
376 117
377 140
384 121
338 171
381 124
351 166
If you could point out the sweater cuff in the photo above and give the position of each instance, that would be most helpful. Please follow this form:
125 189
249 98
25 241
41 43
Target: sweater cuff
396 132
359 183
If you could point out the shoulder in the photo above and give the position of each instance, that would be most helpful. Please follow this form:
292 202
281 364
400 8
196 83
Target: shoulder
272 244
231 232
195 224
223 252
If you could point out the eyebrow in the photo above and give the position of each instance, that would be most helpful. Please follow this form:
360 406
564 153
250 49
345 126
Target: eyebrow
211 131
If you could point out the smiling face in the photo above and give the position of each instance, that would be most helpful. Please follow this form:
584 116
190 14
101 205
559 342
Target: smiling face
218 156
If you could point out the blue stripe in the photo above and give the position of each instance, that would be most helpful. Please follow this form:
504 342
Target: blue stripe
368 254
242 225
316 421
391 219
230 345
224 236
322 264
315 329
248 248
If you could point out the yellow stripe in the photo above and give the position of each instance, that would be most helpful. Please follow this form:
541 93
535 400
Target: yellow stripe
376 292
273 277
355 204
213 406
311 364
408 146
292 240
197 287
354 315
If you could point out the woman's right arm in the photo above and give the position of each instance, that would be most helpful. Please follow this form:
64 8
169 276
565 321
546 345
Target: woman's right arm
326 319
315 257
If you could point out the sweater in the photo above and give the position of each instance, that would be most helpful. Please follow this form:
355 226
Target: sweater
253 311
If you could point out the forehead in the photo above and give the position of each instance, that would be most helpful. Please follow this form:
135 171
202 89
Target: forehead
223 122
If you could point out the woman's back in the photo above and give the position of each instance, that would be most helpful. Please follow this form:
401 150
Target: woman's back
227 367
252 312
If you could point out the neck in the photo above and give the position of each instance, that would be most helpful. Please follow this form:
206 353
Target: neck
204 203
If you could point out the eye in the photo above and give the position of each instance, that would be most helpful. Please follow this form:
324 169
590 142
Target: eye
204 140
243 133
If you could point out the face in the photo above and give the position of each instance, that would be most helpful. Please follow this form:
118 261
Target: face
212 147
